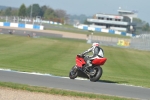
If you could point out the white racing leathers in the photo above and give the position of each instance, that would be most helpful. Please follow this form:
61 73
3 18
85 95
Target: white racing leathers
97 53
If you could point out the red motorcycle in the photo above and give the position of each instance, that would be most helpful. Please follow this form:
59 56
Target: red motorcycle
93 73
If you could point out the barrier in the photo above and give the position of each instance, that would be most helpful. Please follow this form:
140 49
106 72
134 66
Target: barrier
85 27
42 21
20 25
112 31
98 29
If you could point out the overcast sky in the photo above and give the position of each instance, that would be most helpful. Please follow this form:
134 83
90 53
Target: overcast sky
89 7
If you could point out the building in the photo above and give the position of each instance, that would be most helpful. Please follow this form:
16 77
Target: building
119 22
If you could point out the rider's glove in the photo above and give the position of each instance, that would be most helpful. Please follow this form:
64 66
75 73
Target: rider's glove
81 55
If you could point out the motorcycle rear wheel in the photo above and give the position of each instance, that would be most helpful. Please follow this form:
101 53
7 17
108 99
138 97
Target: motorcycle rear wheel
73 74
97 75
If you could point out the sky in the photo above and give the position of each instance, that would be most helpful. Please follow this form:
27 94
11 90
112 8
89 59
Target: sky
89 7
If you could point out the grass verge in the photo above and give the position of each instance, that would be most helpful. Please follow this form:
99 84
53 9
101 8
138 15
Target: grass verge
60 92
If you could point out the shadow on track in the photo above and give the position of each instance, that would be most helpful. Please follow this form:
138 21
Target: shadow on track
106 81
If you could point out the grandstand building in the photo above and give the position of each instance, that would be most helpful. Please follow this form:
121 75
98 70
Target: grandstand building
119 22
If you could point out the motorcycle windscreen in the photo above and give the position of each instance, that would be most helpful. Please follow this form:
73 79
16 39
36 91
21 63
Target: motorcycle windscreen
99 61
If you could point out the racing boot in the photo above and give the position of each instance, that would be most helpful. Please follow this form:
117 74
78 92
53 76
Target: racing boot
88 64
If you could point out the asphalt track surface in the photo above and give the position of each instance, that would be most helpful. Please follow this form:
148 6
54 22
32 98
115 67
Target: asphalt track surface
27 32
100 87
76 85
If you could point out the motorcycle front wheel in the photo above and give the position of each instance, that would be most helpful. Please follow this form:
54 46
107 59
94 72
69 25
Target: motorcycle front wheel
98 73
73 73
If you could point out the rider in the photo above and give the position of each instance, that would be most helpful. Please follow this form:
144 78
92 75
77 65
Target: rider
97 53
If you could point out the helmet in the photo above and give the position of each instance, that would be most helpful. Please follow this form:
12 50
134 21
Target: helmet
95 44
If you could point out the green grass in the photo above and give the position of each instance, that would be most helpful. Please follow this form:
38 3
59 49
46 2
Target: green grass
127 66
60 92
2 20
57 56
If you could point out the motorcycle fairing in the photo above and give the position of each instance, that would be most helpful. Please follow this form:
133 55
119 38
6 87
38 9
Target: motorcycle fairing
79 61
99 61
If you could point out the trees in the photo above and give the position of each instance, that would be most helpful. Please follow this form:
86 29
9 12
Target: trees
43 10
146 27
22 11
14 12
34 10
1 12
141 25
8 11
49 13
60 13
28 10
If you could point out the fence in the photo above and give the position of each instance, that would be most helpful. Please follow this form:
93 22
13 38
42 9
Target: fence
97 29
26 20
140 42
109 41
20 25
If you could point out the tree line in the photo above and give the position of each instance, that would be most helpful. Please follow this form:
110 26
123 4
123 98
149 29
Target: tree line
35 10
141 25
57 15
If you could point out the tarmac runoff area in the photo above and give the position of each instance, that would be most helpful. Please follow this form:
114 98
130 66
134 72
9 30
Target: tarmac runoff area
32 32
